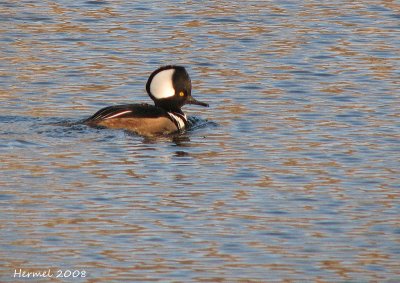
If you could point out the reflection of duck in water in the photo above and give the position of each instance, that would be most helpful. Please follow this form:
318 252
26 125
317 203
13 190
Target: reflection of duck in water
170 88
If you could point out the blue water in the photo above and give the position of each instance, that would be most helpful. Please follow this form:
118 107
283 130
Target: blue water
290 175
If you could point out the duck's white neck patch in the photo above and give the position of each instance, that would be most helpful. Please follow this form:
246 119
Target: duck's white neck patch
161 84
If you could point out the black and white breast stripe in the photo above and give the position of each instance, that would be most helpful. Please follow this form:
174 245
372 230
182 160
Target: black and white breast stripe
179 119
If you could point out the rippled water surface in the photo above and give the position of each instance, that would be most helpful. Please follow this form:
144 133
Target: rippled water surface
291 175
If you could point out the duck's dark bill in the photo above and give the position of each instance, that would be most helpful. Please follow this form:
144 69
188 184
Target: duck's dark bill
191 100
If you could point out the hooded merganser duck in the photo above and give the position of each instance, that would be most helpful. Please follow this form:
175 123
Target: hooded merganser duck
170 88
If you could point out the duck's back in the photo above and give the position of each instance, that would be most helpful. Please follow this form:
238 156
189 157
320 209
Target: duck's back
143 119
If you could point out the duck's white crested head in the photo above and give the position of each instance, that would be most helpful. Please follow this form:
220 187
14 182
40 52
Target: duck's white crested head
161 84
170 88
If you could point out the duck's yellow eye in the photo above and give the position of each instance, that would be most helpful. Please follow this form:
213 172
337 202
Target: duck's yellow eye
181 93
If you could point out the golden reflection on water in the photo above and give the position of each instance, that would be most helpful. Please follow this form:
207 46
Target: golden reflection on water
296 182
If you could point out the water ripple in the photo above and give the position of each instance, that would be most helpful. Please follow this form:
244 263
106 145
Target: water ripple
290 175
